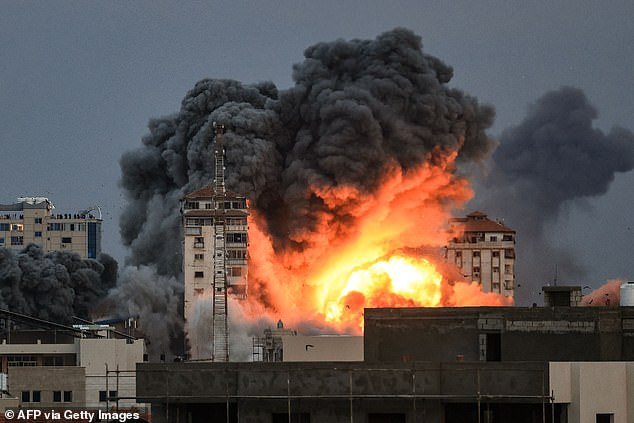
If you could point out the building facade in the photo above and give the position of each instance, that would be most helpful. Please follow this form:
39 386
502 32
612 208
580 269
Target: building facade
483 250
451 365
32 220
72 372
215 264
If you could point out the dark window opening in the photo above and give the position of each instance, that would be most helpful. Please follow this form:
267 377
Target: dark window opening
26 396
605 418
57 396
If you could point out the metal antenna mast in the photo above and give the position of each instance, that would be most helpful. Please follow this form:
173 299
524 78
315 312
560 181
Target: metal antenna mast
220 348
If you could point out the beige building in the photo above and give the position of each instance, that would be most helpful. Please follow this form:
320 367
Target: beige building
594 392
201 213
32 220
483 250
84 373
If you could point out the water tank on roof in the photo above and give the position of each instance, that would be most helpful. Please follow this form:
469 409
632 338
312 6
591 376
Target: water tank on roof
627 294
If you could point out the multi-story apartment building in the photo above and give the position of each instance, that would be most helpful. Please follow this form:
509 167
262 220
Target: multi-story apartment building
46 364
32 220
204 214
484 251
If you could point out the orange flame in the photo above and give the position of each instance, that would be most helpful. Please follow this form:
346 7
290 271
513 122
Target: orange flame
369 258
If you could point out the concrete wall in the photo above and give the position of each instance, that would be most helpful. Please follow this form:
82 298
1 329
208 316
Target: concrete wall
332 391
525 334
323 348
591 388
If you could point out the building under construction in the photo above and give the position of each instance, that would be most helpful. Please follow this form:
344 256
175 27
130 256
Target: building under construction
215 252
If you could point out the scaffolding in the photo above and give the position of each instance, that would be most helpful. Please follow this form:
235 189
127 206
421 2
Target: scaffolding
220 335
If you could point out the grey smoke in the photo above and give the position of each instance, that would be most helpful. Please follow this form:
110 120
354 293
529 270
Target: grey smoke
54 286
552 160
356 107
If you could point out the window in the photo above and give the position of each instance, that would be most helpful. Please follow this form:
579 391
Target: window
237 237
507 269
476 254
507 238
199 274
496 269
102 396
38 234
1 241
4 227
26 396
237 254
493 238
235 271
199 242
37 396
17 240
605 418
38 220
113 394
67 240
199 256
458 253
17 227
57 396
195 230
68 396
496 254
192 205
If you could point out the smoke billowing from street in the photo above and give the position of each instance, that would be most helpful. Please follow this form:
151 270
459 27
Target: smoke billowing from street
553 159
53 286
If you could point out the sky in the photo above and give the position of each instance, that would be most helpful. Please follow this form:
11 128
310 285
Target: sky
80 80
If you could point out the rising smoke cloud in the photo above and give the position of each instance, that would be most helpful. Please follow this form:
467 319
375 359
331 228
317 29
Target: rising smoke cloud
358 109
553 159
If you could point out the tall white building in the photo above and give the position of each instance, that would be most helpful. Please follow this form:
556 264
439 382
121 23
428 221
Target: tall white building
31 220
483 250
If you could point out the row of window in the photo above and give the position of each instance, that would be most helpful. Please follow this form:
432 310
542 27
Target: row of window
508 253
72 227
231 271
68 227
19 240
235 221
221 205
231 237
36 396
231 255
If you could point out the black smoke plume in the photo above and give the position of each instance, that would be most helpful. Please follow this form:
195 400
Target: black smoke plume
54 286
356 109
553 159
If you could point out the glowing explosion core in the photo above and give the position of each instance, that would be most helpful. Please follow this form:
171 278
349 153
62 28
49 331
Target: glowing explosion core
372 259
